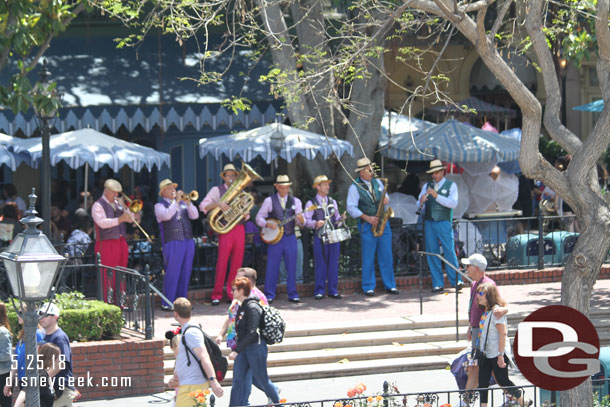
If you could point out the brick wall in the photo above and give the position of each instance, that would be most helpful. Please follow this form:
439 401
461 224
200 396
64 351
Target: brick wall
406 283
140 361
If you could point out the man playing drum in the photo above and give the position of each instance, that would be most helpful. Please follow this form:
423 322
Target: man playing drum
281 206
326 255
231 245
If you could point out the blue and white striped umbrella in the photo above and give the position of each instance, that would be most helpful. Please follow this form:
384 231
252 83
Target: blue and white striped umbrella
392 144
596 106
87 146
8 157
457 142
258 142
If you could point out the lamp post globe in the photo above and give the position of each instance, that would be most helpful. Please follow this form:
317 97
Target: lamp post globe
33 268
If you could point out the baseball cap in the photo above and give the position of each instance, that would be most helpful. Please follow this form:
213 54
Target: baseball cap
477 260
49 309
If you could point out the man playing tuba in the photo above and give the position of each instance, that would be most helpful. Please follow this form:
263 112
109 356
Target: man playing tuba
364 197
231 245
174 216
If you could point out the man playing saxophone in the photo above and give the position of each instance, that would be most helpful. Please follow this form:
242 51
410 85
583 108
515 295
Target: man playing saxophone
438 198
174 215
110 231
364 199
231 245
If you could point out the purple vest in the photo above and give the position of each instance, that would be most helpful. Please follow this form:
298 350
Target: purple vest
278 213
222 188
176 229
318 214
113 232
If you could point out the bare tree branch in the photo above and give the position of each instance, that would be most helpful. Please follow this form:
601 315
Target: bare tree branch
499 19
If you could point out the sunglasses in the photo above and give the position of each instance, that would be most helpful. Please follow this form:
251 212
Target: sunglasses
481 293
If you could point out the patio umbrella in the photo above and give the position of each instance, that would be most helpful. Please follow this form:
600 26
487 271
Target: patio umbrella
458 142
397 132
90 147
596 106
7 156
268 140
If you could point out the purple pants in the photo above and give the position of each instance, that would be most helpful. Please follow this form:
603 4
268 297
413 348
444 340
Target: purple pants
286 247
178 256
327 266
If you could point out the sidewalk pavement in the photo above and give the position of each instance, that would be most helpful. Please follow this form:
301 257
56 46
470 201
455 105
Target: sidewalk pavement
357 307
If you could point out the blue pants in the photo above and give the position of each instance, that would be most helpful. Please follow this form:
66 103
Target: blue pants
178 258
286 248
326 266
436 231
251 366
381 245
299 269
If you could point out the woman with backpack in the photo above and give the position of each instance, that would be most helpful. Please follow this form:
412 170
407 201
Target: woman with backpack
250 353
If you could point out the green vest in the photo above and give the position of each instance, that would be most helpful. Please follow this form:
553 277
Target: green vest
434 210
366 203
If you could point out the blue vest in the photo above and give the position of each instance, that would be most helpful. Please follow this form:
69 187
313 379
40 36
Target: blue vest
434 210
278 213
114 232
366 204
176 228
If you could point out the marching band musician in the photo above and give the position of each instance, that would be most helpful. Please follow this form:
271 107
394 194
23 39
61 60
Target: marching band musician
281 206
174 216
326 255
363 199
231 245
110 231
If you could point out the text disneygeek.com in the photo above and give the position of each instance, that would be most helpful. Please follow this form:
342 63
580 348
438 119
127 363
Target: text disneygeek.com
71 382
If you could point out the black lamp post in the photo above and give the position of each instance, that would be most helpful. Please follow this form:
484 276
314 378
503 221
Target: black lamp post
32 266
46 110
563 72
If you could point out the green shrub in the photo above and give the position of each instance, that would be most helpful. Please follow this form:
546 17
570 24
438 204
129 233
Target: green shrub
82 320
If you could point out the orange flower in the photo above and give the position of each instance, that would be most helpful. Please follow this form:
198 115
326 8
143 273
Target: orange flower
378 398
369 399
363 386
282 401
207 393
193 394
201 399
338 404
351 393
360 388
199 393
427 405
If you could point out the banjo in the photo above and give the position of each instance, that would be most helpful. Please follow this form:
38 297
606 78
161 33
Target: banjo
272 236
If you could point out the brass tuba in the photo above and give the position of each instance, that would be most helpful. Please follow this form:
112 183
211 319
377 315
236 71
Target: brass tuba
240 202
382 214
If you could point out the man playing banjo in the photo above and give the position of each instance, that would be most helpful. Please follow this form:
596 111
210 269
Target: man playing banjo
283 207
324 220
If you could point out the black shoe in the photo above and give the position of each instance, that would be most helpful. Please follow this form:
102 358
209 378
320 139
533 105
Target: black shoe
166 308
215 303
270 301
393 291
437 289
369 293
336 296
318 296
295 300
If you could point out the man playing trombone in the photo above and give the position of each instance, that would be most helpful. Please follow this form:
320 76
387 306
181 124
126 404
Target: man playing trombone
174 214
110 217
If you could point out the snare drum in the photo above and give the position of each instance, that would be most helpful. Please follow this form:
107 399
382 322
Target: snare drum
336 236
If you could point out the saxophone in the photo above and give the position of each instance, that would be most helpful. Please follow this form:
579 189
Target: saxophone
382 214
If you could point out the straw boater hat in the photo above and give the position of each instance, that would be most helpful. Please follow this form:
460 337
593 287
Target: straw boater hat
282 180
435 165
166 183
320 179
113 185
362 163
228 167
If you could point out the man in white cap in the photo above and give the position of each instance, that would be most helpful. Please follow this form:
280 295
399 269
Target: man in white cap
231 245
438 198
363 198
110 235
476 265
326 256
281 206
63 384
174 216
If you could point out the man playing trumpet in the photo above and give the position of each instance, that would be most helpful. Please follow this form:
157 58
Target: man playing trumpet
110 217
174 216
231 245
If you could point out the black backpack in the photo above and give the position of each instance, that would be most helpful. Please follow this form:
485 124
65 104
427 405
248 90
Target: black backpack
272 325
219 362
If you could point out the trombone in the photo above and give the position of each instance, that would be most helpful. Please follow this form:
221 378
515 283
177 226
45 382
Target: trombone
135 206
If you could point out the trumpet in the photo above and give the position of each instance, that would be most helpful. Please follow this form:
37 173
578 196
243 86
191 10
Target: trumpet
133 208
192 196
135 205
